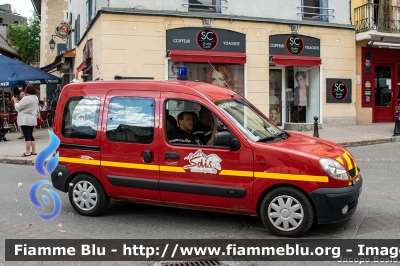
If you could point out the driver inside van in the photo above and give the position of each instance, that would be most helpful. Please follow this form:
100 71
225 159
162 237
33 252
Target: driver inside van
206 128
183 134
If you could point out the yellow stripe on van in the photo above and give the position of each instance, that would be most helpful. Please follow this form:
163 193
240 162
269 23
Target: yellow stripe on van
309 178
348 160
236 173
176 169
179 169
339 160
78 160
131 165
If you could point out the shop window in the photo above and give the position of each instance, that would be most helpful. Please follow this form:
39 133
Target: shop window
302 94
131 120
230 76
315 9
205 5
80 117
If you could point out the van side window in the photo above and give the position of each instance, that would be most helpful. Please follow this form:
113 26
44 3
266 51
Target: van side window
81 117
131 120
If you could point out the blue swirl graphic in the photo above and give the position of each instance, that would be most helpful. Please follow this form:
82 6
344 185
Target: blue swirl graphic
35 201
46 152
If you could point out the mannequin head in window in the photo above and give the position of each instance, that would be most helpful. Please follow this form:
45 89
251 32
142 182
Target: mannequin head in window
301 79
174 68
220 75
274 114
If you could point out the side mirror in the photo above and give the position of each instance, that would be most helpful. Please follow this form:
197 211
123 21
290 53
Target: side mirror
226 139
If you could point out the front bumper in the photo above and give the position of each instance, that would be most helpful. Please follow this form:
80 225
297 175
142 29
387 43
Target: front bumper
329 202
59 178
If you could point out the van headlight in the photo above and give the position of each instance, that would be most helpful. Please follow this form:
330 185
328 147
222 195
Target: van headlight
334 169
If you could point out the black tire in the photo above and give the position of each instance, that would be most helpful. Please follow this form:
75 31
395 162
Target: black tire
294 220
81 201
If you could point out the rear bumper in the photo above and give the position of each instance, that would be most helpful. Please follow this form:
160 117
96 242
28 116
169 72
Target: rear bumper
59 178
329 202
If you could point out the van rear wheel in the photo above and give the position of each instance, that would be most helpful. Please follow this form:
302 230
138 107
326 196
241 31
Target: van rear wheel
286 211
87 195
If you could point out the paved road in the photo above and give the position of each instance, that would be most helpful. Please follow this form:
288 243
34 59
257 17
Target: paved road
378 214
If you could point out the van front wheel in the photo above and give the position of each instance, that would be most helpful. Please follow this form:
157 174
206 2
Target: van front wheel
87 195
286 211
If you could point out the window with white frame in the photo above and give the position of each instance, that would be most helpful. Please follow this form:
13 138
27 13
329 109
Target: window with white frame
315 10
205 5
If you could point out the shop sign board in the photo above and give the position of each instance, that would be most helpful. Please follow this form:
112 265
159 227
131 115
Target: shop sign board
338 90
294 44
206 39
63 30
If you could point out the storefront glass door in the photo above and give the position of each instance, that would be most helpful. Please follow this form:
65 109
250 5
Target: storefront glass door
276 95
385 94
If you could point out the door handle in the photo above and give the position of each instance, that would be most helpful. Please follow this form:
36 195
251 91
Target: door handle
147 156
392 94
171 155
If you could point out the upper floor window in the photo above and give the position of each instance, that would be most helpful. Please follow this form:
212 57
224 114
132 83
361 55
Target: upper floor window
205 5
1 20
90 11
315 9
77 32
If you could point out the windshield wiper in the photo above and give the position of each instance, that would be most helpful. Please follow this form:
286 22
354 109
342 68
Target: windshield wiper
284 135
267 139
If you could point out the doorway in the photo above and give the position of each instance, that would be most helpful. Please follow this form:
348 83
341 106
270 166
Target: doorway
277 111
386 93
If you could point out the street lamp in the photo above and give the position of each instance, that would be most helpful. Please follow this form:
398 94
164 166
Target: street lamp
52 43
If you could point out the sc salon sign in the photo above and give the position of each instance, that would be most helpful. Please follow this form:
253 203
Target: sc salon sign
206 40
338 90
294 44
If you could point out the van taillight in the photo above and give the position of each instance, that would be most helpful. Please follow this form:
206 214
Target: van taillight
54 127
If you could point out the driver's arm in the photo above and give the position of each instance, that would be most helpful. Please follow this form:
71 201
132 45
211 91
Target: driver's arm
213 131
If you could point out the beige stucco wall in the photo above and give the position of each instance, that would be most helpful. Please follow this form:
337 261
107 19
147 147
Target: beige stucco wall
134 45
52 12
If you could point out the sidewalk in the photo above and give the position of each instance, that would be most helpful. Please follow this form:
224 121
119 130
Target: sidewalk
358 135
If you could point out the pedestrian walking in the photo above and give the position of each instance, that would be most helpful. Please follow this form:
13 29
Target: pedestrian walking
27 111
21 95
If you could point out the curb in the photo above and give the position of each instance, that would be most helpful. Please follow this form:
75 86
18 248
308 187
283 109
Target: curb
16 160
368 142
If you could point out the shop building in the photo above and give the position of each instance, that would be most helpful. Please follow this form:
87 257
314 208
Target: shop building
293 68
378 60
50 13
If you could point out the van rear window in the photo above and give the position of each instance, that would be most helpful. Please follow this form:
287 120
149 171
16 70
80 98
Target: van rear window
81 117
131 119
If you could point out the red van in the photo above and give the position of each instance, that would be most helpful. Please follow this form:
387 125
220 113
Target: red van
119 140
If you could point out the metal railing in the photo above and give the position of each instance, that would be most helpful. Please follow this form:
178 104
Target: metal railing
315 12
378 17
195 5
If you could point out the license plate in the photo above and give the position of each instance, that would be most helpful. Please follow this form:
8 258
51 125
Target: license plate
360 191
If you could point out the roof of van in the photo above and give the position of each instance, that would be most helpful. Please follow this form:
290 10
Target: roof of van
214 92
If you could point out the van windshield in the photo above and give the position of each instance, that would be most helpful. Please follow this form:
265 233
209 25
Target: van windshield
250 121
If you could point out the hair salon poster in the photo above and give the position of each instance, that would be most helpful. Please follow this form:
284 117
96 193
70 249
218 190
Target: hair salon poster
338 90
